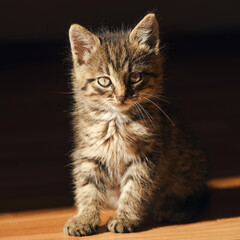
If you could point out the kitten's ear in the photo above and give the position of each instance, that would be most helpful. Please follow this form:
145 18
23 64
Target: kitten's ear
146 32
83 43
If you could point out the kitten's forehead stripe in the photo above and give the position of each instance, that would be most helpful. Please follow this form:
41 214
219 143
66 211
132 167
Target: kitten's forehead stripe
116 49
107 69
107 53
126 60
101 68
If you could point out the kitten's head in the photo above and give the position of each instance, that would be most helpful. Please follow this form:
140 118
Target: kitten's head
116 70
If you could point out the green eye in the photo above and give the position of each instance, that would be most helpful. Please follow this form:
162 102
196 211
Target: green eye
104 81
135 77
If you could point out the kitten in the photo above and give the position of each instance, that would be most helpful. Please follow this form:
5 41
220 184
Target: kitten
129 153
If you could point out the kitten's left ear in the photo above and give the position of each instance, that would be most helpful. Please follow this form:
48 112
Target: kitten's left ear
146 33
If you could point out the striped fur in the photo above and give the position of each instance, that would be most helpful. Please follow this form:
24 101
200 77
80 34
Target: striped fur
128 154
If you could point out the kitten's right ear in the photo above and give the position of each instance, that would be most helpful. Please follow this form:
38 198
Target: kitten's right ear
83 43
146 33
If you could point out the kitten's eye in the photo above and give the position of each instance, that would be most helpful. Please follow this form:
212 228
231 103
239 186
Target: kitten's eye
135 77
104 81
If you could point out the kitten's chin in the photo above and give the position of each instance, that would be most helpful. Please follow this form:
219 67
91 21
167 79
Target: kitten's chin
121 107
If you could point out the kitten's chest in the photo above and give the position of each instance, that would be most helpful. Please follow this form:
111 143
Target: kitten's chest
113 143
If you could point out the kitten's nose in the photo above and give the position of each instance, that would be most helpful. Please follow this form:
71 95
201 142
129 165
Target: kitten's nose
121 98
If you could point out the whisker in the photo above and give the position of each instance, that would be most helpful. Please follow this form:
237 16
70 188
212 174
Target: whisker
146 113
161 111
160 98
65 92
140 112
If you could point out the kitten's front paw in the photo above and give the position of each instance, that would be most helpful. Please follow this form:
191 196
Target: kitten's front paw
122 225
76 226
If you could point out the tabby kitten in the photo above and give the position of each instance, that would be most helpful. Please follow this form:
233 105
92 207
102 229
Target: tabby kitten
129 153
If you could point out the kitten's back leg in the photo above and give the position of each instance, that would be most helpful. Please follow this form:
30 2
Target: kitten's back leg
174 209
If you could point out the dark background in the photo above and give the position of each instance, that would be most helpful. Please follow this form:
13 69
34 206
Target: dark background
202 75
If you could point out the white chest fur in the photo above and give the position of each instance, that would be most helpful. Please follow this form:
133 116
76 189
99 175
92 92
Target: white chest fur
113 143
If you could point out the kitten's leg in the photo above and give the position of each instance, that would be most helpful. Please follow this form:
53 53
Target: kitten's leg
168 208
89 196
175 209
136 193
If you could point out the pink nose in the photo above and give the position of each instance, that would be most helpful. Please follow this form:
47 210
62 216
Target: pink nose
121 98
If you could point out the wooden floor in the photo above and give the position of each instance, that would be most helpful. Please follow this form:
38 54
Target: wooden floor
48 224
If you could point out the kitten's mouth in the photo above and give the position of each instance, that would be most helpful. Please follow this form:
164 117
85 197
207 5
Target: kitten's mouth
122 106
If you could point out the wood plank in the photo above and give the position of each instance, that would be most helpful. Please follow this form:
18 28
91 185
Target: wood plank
230 182
48 225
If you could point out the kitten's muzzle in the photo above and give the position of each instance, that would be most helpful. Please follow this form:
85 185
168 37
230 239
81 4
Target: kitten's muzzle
121 98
